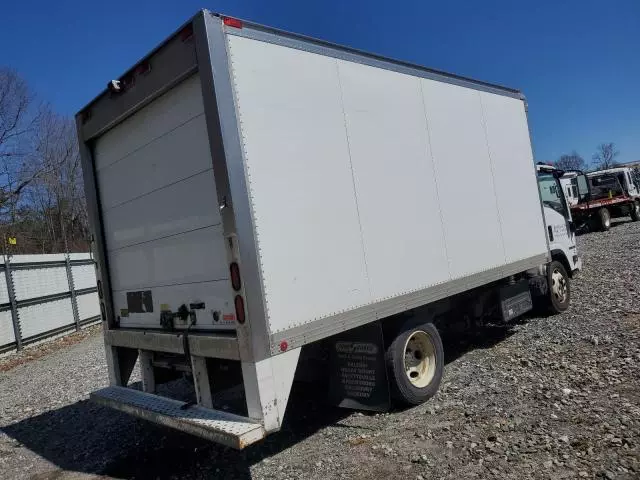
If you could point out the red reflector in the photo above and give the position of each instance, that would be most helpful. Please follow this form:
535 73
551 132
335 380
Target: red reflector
239 303
232 22
236 283
283 346
86 116
186 33
143 68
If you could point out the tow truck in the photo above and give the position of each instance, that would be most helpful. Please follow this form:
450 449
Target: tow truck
604 195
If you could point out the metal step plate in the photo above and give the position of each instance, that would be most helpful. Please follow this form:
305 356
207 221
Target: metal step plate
215 425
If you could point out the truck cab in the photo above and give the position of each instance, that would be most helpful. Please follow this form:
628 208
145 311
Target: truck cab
574 187
560 228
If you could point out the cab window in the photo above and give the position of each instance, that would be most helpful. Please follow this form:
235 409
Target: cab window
551 194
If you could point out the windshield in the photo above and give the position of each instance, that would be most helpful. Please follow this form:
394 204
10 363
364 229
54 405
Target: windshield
605 186
551 194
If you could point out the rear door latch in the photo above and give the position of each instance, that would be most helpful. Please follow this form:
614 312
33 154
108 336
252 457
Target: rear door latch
184 313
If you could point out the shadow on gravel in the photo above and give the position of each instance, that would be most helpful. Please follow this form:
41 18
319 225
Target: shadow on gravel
615 222
619 222
456 345
85 437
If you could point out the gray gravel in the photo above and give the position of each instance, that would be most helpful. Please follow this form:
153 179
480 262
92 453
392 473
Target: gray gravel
551 397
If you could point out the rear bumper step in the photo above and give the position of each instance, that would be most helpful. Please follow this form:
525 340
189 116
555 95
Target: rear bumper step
214 425
213 344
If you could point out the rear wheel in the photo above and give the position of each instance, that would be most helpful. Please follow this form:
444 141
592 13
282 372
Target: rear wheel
415 361
559 289
605 219
635 211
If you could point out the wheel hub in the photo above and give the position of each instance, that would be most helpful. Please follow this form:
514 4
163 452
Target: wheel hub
558 286
419 359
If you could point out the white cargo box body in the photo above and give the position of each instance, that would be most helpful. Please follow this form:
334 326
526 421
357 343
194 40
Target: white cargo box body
347 187
367 185
370 188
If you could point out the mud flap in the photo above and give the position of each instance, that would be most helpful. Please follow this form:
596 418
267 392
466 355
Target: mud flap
358 375
515 300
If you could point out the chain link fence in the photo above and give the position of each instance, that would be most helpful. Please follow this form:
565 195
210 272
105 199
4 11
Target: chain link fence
45 295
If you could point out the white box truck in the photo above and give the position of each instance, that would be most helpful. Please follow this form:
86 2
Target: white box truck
259 198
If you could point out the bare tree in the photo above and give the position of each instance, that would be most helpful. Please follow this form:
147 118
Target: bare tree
571 161
41 194
15 102
605 156
56 219
17 122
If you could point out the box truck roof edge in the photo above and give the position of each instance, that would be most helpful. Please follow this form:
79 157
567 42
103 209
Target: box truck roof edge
324 47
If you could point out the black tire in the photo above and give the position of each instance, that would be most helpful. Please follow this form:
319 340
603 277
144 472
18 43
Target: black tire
604 219
557 303
403 391
635 211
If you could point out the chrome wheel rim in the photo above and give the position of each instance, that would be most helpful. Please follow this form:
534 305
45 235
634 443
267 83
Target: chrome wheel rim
559 286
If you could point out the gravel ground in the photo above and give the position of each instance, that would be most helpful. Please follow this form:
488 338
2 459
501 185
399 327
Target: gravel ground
551 397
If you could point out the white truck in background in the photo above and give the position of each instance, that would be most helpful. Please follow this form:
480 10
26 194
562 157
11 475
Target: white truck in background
257 196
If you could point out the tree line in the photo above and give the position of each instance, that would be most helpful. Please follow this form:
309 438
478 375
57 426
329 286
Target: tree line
42 205
603 158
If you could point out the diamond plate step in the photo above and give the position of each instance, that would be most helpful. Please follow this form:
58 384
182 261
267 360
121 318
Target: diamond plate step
215 425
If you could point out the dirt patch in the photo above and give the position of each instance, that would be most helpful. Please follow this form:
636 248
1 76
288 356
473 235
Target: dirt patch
33 352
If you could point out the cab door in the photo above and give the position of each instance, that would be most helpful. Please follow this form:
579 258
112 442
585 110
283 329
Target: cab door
632 187
559 225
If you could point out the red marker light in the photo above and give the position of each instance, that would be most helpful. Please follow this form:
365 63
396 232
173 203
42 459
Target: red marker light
239 304
236 283
186 33
143 68
232 22
86 116
283 346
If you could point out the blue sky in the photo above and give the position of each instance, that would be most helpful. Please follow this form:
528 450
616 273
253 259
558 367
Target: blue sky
577 61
